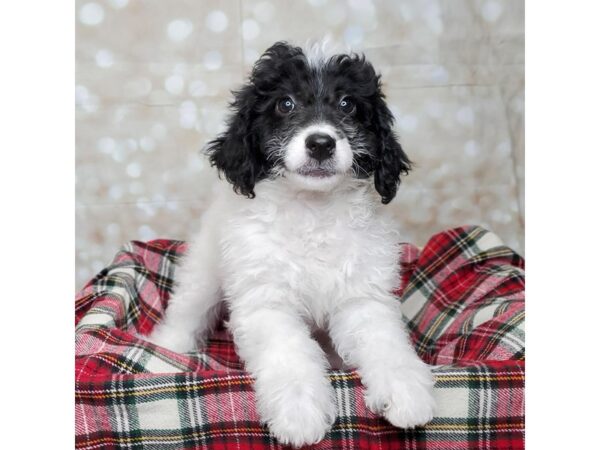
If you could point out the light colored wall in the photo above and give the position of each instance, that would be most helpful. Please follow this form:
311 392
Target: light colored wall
153 82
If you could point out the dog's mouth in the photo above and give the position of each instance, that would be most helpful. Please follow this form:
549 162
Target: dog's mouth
316 172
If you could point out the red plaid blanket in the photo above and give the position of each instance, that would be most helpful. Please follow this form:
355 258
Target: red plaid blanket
464 304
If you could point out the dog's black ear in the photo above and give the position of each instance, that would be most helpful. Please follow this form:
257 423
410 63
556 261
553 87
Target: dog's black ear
390 159
235 152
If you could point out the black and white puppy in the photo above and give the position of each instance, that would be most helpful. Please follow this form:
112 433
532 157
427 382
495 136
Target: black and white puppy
303 247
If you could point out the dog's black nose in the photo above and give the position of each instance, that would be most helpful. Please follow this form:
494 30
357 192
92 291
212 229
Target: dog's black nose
320 146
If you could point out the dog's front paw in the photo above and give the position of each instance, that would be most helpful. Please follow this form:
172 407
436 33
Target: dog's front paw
404 398
299 414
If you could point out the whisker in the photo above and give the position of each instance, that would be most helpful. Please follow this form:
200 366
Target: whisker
355 164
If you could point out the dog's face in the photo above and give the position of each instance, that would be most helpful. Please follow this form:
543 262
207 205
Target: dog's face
315 121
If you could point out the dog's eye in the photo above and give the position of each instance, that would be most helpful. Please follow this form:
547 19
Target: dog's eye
346 105
285 105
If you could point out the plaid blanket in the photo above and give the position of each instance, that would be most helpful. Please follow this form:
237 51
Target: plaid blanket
463 299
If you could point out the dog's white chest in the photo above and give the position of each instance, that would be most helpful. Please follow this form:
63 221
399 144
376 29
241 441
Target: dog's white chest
319 252
315 253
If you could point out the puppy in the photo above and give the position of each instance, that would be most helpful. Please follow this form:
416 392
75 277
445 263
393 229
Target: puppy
301 246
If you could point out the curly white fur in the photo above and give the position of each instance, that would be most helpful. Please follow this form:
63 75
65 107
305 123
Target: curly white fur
288 263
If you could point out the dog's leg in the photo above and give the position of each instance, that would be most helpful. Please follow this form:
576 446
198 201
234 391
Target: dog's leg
195 304
369 334
294 396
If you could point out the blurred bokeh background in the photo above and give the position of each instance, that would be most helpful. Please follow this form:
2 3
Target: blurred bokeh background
154 79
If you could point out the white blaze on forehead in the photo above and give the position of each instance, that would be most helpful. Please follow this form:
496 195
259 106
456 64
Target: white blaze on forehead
318 52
